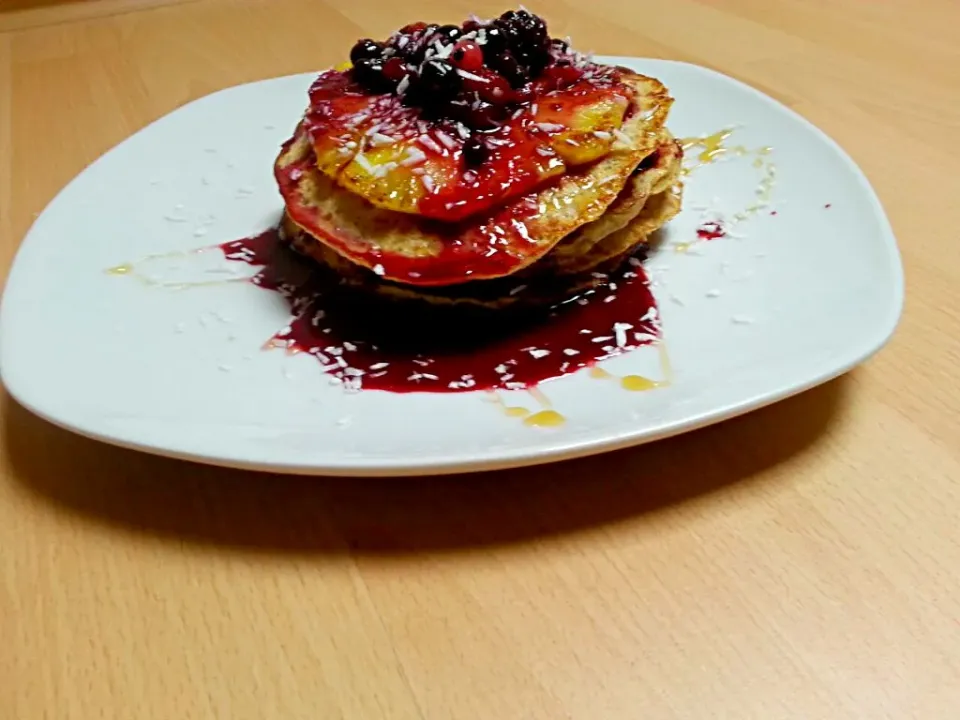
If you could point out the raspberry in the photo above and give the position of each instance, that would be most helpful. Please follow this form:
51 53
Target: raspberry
467 55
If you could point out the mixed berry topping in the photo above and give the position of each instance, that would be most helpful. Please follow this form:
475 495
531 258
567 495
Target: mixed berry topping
449 122
475 74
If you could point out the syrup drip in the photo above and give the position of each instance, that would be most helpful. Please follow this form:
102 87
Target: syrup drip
545 418
638 383
166 270
548 417
713 148
365 343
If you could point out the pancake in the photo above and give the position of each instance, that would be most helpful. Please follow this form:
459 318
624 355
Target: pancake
417 251
655 174
639 214
536 292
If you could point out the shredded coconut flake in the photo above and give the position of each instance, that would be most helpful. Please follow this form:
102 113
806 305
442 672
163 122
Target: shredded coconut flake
470 76
448 142
415 156
430 144
379 140
362 161
620 331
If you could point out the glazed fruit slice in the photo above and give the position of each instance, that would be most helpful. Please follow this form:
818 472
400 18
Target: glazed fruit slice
387 153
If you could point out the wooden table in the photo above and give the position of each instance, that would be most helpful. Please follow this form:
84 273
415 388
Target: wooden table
801 562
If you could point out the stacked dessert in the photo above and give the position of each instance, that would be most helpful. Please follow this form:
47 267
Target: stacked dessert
484 164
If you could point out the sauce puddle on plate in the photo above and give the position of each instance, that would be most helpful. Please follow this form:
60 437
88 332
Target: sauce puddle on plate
369 344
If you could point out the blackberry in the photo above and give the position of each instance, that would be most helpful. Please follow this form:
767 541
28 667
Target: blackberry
506 64
496 43
525 31
527 38
366 49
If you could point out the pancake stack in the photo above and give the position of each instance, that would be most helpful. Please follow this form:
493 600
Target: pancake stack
483 165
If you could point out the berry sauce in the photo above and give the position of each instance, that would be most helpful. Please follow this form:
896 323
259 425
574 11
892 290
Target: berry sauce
364 343
711 231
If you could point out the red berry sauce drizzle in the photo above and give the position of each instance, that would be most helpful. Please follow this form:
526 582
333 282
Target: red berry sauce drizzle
369 344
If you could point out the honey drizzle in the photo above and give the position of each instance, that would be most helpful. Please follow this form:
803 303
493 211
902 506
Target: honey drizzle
130 269
545 418
538 395
542 418
639 383
712 148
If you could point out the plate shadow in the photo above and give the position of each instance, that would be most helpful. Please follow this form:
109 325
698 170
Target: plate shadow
182 502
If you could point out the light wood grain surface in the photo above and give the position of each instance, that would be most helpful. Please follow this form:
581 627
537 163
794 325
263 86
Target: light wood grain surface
800 562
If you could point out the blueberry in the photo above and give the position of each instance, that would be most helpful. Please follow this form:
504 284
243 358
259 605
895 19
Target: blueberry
448 33
369 73
366 49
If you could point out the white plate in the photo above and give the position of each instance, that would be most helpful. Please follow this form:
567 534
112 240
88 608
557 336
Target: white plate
802 297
